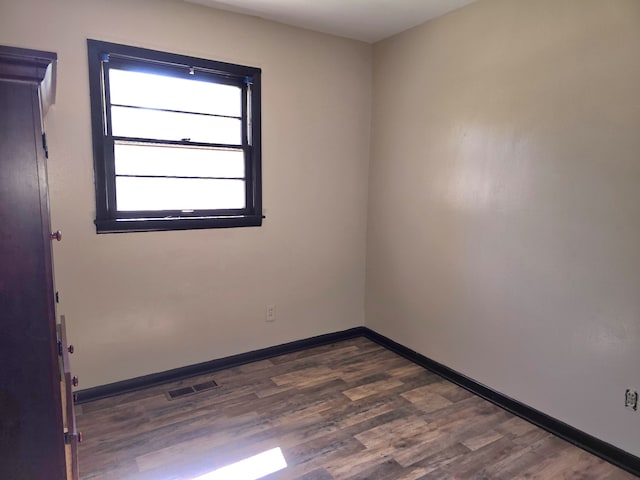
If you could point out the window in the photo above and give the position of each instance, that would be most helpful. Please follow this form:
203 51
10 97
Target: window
176 140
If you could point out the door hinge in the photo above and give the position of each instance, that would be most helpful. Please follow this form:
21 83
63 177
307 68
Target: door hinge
70 437
44 145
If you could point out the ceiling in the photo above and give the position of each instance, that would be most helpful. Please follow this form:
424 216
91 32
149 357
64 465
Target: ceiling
366 20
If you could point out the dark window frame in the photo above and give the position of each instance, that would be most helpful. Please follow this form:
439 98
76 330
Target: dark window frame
108 219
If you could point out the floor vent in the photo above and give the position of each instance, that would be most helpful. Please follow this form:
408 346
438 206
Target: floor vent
199 387
184 391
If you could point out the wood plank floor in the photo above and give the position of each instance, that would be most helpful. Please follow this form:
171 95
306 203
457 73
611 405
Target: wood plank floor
350 410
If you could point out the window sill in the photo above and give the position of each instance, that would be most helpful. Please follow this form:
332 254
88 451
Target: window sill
182 223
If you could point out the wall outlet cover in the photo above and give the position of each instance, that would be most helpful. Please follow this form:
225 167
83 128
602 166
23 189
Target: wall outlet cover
271 313
631 399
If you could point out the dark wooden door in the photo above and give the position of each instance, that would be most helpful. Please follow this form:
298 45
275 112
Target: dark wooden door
31 430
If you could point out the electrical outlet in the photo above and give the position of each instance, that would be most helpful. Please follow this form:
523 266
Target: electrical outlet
631 399
271 313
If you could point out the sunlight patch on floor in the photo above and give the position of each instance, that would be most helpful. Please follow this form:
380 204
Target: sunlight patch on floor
251 468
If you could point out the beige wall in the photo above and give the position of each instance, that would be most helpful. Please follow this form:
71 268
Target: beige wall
138 303
504 212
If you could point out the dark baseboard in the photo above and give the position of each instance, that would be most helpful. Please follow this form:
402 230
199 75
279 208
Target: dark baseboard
138 383
587 442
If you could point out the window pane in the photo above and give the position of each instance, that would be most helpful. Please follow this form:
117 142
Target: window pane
177 161
135 193
171 93
140 123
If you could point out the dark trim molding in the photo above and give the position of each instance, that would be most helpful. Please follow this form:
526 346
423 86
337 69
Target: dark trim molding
587 442
138 383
